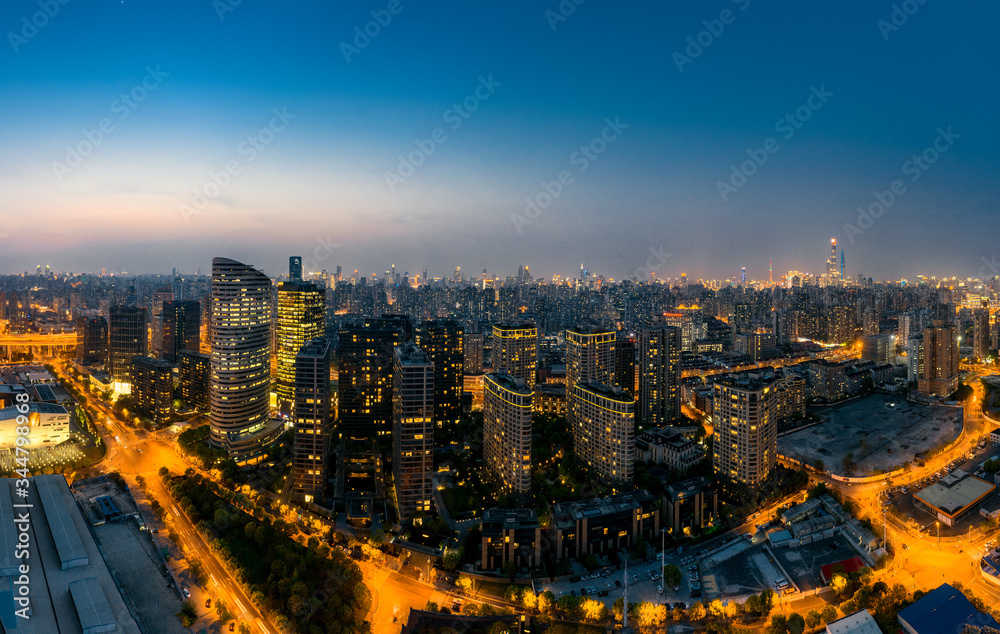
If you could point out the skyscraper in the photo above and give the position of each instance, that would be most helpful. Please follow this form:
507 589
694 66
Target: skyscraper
625 362
412 429
160 297
301 318
311 419
127 339
241 319
295 268
940 376
507 411
91 340
832 269
746 432
181 328
443 341
364 390
515 351
981 333
659 374
472 344
602 422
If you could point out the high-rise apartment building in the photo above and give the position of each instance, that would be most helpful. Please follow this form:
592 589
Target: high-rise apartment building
443 341
241 359
472 347
311 419
153 388
590 355
412 429
127 339
602 422
194 376
878 348
659 374
515 351
915 358
91 340
746 430
940 376
981 334
301 317
180 328
507 411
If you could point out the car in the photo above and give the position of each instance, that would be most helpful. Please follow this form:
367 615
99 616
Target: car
606 573
687 605
232 626
635 578
187 594
602 593
607 584
659 589
905 547
618 584
572 593
208 603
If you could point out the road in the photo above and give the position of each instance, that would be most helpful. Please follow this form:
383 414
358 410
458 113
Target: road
132 453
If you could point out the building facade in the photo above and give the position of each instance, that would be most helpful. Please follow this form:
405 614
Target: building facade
412 429
940 377
659 375
181 328
515 351
92 340
311 420
127 339
746 430
241 359
602 422
507 411
194 375
443 341
153 388
301 317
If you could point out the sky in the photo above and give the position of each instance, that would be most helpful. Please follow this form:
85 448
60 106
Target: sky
632 137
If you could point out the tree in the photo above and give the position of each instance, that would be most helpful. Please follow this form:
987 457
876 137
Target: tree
464 583
819 466
838 583
187 615
222 610
593 610
591 562
848 463
778 625
244 628
510 570
546 601
813 619
829 613
766 601
453 557
796 624
697 611
671 575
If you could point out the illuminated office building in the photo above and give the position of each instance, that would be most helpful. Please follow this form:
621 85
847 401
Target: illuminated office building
301 318
92 340
364 389
180 328
194 375
443 341
127 339
241 358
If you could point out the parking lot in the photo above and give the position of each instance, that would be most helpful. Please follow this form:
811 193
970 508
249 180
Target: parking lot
880 431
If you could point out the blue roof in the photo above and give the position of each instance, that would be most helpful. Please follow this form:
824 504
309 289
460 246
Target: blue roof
944 609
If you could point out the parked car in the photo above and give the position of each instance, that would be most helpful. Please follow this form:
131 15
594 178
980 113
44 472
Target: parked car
659 589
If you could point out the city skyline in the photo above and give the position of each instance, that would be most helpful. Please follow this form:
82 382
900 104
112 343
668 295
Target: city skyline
623 133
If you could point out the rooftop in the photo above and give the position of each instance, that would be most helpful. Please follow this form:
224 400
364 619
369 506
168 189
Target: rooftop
956 498
861 622
943 610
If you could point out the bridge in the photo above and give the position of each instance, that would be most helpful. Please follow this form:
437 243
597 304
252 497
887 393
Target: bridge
57 341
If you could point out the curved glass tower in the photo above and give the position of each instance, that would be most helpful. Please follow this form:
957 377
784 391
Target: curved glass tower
241 358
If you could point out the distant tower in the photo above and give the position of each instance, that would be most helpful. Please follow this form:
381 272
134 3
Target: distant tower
744 276
770 272
295 268
843 267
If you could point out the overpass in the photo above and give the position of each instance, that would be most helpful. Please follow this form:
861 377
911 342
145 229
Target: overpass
63 341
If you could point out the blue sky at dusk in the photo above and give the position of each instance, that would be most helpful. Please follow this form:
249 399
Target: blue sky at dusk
322 177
